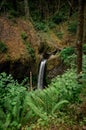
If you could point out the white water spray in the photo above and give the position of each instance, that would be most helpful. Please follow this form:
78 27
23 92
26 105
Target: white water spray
41 74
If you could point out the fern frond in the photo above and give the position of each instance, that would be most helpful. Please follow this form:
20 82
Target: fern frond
59 105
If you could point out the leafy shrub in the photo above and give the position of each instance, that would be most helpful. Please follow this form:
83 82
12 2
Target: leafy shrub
19 107
70 61
51 24
3 47
72 27
30 50
84 48
24 35
28 46
41 26
67 86
11 102
57 19
66 52
84 69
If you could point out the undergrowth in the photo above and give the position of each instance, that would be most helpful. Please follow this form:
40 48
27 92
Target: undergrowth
19 108
56 104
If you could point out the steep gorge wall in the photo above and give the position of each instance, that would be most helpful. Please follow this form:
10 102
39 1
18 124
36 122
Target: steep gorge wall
16 60
20 38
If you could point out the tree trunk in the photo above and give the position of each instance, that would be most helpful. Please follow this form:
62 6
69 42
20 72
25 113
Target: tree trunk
71 3
80 35
27 13
84 35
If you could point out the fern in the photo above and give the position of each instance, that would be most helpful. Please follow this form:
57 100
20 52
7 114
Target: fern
19 107
37 111
59 105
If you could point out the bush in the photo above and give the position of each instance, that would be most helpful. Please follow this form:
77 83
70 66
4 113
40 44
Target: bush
58 19
3 47
30 49
71 61
41 26
84 48
84 69
11 103
67 86
24 35
72 27
66 52
19 107
28 45
51 24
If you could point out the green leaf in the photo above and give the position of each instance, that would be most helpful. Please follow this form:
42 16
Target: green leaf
59 105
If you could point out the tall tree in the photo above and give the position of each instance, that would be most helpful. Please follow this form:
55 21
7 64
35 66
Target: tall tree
27 13
71 4
84 35
80 35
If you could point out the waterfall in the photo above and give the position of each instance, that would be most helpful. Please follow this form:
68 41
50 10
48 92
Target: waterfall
41 74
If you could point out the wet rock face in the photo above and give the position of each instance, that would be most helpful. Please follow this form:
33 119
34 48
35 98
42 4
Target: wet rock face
53 61
54 66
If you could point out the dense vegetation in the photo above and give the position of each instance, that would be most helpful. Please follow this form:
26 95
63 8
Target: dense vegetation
62 102
43 14
54 105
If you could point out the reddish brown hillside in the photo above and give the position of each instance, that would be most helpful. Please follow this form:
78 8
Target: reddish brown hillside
10 34
17 60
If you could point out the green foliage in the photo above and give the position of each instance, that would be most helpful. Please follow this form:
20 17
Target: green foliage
67 86
84 48
51 24
83 122
66 52
59 18
69 56
72 27
28 45
19 107
11 102
41 26
30 50
24 35
84 70
3 47
70 61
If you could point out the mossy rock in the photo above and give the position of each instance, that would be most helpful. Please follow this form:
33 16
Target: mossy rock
52 62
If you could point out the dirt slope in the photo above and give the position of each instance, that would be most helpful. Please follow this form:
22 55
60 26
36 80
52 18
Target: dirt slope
10 34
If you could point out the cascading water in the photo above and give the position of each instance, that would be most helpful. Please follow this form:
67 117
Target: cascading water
41 74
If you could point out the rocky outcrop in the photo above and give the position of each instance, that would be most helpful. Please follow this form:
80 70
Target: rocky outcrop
53 61
54 66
